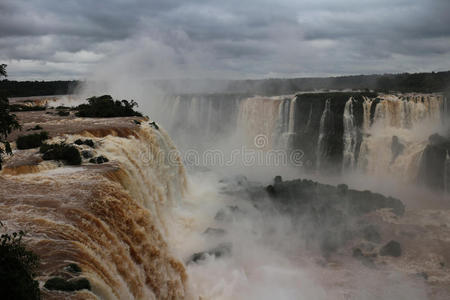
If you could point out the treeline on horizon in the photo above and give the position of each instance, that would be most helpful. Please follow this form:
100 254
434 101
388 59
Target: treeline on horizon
14 88
417 82
405 82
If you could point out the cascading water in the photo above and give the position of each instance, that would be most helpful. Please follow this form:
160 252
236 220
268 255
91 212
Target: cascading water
350 132
110 219
379 135
321 143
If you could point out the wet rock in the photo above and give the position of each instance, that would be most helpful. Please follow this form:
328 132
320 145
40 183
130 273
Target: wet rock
136 122
392 248
216 232
365 259
87 142
87 154
371 234
71 285
270 189
222 250
227 213
99 160
329 244
396 148
73 268
433 163
424 275
342 189
154 125
277 179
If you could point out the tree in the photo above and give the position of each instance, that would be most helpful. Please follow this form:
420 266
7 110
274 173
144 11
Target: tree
8 121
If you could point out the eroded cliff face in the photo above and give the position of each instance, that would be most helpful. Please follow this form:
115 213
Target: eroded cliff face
110 218
338 132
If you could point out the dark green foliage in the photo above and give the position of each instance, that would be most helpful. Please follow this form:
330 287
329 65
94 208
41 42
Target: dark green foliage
61 151
30 141
8 121
17 269
63 113
19 107
105 107
61 284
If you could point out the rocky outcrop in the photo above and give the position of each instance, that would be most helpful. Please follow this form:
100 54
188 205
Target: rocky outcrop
433 163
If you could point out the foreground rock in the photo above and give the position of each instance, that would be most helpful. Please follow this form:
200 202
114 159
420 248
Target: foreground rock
71 285
392 248
326 216
222 250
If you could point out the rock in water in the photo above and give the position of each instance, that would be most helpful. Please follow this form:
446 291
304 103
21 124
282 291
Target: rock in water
61 284
392 248
221 250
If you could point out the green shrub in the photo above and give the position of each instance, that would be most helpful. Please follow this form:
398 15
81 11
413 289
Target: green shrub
18 268
105 107
61 151
30 141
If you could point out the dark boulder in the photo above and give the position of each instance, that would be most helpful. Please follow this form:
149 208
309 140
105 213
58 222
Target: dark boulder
228 213
71 285
222 250
365 259
99 160
87 154
392 248
73 268
277 179
216 232
371 234
87 142
432 163
396 148
154 125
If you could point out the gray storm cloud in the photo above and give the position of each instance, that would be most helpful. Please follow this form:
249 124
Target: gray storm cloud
226 39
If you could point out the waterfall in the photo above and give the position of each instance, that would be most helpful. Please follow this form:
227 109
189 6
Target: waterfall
350 135
110 219
321 143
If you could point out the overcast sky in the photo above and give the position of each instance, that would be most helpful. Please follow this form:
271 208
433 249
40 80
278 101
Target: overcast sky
56 39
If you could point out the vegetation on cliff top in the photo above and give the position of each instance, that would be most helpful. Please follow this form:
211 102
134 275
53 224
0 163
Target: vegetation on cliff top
62 151
105 107
32 140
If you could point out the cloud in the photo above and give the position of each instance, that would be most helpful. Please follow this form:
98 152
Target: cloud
238 39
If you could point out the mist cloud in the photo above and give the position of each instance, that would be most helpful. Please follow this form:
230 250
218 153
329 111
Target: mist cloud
227 39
